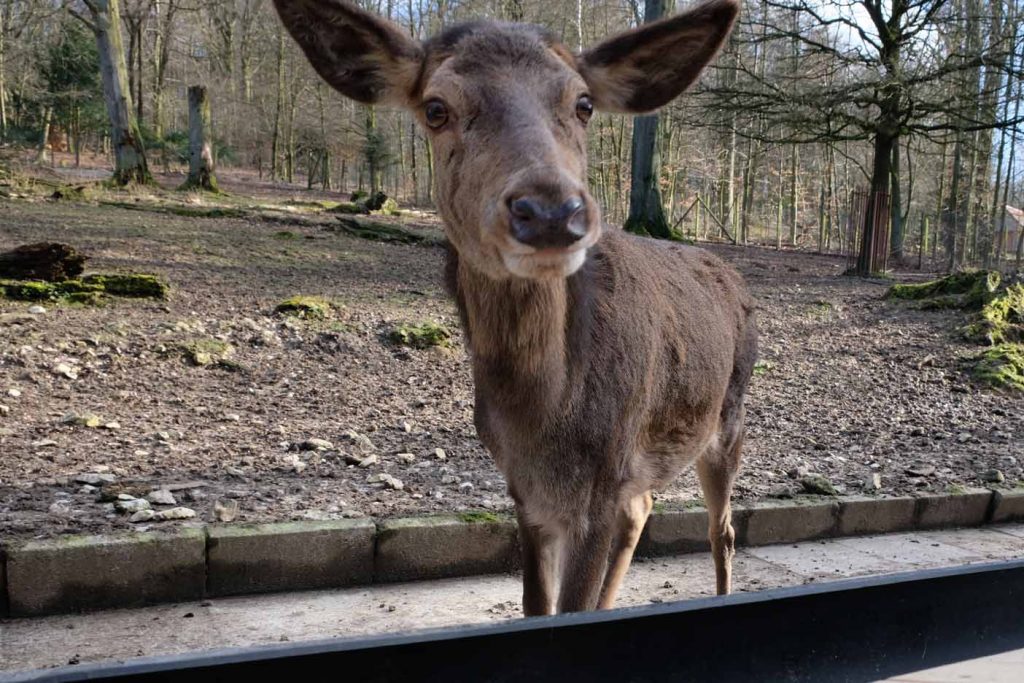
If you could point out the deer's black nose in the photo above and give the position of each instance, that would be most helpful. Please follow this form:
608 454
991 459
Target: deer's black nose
541 225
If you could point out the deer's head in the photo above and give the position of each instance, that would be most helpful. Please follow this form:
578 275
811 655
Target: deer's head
506 108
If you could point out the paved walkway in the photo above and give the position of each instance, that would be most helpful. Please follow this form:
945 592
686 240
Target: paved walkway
244 621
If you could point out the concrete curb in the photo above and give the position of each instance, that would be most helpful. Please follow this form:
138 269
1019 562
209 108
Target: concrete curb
94 572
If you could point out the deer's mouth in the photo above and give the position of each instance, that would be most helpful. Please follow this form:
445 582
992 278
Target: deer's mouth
549 262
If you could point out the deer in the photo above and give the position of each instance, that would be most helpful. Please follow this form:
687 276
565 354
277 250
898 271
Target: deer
604 364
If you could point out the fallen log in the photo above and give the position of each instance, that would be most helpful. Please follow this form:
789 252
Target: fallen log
49 261
381 232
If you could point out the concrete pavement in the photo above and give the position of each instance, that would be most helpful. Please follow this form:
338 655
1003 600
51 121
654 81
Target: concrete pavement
254 620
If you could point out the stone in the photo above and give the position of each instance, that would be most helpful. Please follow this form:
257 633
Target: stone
789 522
993 477
817 485
671 532
161 497
407 458
112 425
315 445
173 514
14 393
968 508
369 461
83 420
798 472
142 516
387 480
225 510
437 547
466 487
360 442
61 508
290 556
94 572
66 371
867 515
920 470
873 482
36 310
95 478
131 506
440 454
4 410
1008 506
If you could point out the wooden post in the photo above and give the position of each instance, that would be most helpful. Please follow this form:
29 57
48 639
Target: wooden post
200 152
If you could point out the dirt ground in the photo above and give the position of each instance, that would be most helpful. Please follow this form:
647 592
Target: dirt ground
850 385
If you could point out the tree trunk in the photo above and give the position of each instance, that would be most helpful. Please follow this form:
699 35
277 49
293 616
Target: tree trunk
200 142
129 154
275 140
44 146
646 214
880 182
896 208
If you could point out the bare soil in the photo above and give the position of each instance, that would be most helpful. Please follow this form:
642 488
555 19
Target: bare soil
850 384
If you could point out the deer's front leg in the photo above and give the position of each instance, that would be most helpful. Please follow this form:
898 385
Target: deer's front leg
586 563
541 557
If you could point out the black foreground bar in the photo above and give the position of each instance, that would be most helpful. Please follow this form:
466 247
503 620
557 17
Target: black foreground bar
854 630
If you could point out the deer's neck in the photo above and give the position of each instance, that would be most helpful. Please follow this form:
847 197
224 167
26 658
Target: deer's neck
517 337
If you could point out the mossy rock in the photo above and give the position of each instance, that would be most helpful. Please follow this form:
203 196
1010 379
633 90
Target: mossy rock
286 235
203 352
1002 366
422 336
969 290
35 290
310 307
350 208
388 208
1001 320
132 285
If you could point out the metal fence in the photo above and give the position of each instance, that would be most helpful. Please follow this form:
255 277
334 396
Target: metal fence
868 218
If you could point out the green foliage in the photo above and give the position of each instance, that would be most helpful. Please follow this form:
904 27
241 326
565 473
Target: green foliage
71 70
309 307
422 336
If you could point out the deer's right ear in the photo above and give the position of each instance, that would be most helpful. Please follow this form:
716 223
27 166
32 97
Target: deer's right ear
365 57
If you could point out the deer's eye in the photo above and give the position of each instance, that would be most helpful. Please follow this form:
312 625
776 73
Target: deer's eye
436 114
584 108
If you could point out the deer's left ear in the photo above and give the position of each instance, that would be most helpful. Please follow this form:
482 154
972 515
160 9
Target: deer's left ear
363 56
646 68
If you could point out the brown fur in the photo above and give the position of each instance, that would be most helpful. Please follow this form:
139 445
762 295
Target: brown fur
602 369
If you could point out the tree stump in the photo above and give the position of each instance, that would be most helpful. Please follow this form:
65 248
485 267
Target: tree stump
50 261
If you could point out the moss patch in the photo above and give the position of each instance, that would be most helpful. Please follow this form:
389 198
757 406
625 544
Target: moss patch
309 307
131 285
1001 320
422 336
1002 366
967 290
78 291
479 517
996 320
203 352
